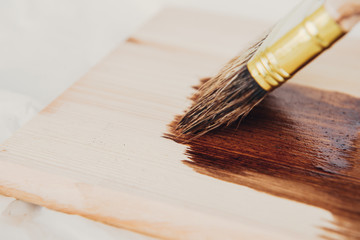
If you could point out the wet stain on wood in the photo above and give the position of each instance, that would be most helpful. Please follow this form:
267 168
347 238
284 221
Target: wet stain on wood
300 143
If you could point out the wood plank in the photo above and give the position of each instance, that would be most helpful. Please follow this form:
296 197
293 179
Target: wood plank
99 149
300 143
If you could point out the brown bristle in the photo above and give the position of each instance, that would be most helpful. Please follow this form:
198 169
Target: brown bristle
223 99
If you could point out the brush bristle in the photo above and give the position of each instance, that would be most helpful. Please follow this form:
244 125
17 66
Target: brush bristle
223 99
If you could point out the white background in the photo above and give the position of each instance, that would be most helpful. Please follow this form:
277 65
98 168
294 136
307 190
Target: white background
46 45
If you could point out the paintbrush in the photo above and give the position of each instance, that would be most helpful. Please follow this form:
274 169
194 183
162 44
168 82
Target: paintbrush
244 82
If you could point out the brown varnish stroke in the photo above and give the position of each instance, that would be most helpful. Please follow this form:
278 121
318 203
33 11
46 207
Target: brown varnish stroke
300 143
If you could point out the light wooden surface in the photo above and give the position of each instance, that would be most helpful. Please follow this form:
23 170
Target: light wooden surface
98 150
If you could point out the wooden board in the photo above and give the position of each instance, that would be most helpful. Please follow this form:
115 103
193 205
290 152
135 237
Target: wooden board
99 149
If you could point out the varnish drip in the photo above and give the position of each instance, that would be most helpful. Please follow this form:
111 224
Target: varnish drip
299 143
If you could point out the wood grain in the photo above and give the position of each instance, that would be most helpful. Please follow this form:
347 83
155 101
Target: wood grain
300 143
98 150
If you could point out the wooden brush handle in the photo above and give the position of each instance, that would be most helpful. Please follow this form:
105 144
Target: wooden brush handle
345 12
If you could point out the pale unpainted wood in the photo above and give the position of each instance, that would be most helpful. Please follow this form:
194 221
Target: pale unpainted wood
225 36
98 149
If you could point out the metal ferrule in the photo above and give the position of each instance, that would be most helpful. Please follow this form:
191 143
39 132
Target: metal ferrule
276 63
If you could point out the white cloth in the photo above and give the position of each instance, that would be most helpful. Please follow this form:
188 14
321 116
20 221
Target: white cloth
15 110
25 221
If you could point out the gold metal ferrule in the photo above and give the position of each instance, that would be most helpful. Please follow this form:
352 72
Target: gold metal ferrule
278 62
